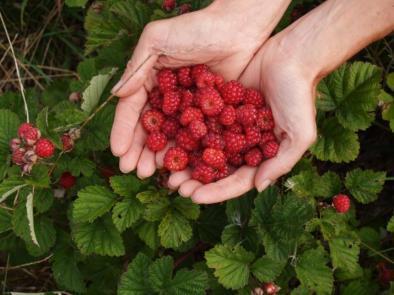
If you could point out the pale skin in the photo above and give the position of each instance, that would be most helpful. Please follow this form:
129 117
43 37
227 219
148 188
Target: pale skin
286 69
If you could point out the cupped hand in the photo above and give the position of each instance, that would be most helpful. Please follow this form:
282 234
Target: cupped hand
289 89
222 38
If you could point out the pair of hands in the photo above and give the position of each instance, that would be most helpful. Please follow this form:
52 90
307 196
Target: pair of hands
236 50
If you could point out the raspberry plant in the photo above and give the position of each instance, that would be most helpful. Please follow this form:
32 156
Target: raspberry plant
102 232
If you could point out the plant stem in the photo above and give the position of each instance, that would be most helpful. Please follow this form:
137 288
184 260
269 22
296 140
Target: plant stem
27 264
391 178
377 252
6 273
100 107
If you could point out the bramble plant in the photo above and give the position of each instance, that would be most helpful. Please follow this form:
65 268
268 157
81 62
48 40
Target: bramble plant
325 228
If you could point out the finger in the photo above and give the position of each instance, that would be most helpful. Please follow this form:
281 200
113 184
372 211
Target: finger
146 165
126 116
129 160
189 187
177 178
227 188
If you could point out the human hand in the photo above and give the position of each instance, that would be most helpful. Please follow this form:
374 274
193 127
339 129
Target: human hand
224 36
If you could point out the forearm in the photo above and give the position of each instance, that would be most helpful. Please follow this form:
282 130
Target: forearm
332 33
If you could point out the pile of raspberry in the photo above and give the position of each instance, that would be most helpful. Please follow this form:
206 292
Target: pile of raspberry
217 126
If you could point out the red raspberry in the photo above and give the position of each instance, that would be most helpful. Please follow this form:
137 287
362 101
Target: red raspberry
214 157
152 120
204 173
169 5
68 142
171 102
341 203
205 79
184 77
28 133
213 140
253 157
15 144
194 158
270 288
236 128
228 115
155 98
18 155
270 149
184 140
44 148
176 159
170 127
253 97
197 70
197 129
187 99
223 172
214 125
67 180
234 142
219 81
191 114
232 92
166 79
266 137
246 115
184 8
235 159
156 141
265 120
107 172
252 136
210 101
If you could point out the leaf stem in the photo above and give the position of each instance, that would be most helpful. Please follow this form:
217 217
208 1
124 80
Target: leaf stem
98 109
377 252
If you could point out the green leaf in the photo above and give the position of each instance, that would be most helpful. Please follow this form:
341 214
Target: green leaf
335 143
92 202
100 237
147 232
365 185
313 272
160 273
186 207
43 200
125 185
157 209
174 229
135 280
39 177
390 225
351 92
76 3
344 251
10 186
234 234
126 213
5 220
390 81
91 95
211 223
9 123
265 269
360 287
67 113
388 114
81 165
232 265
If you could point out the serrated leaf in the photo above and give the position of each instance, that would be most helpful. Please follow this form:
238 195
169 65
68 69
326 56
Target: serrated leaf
174 229
39 177
390 225
67 114
100 237
211 222
9 123
81 165
360 287
5 220
233 235
365 185
351 92
390 81
157 209
147 232
126 213
344 251
388 114
30 217
313 272
92 202
76 3
265 269
160 273
10 186
43 200
189 282
335 143
232 265
125 185
91 95
135 280
186 207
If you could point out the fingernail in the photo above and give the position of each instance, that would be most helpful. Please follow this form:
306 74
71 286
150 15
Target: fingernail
117 87
264 185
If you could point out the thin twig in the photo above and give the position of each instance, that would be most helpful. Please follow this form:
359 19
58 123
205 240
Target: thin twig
28 264
6 273
377 252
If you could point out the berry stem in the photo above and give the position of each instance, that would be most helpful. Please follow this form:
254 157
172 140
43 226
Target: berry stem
377 252
391 178
99 108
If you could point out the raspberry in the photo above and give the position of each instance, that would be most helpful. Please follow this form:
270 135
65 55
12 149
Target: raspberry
235 159
194 158
204 173
197 129
67 180
270 149
68 142
232 92
107 171
184 77
44 148
252 136
234 142
28 133
184 8
197 70
341 203
205 79
253 97
214 125
18 155
170 127
176 159
228 115
152 120
270 288
191 114
187 100
166 80
265 120
15 143
253 157
30 157
223 172
75 97
236 128
219 81
214 157
156 141
266 137
184 140
155 98
213 140
210 101
246 114
169 5
171 102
